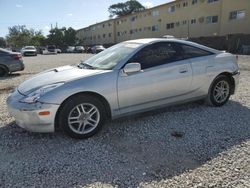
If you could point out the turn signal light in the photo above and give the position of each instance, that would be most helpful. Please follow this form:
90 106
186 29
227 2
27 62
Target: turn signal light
44 113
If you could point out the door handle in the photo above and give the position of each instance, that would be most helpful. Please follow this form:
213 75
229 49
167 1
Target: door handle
183 70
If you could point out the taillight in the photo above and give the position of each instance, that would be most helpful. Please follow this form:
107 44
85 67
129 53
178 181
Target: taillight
17 56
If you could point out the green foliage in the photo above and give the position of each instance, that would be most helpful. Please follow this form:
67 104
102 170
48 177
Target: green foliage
62 37
123 9
20 36
2 42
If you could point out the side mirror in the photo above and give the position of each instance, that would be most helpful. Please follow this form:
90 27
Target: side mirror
132 67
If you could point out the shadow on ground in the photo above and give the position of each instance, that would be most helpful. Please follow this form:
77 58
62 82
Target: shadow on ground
127 152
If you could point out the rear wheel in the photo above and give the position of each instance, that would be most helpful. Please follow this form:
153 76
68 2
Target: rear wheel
219 93
82 116
3 71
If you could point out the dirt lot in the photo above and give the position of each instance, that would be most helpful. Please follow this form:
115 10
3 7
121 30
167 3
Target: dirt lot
190 145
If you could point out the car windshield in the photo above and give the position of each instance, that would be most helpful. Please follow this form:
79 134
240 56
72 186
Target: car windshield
30 48
110 57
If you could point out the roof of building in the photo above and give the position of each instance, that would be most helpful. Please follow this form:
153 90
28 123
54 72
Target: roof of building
171 2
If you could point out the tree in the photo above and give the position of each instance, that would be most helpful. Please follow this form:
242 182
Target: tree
20 36
2 42
123 9
55 37
70 36
62 37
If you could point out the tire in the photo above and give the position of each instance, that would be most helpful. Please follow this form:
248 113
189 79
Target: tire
3 71
77 124
219 92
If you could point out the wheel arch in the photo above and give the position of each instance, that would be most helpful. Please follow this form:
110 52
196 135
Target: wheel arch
86 93
5 67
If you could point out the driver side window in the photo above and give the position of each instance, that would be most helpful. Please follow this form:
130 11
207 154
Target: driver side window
156 54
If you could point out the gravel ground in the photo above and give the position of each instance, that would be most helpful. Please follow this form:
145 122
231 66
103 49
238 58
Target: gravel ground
189 145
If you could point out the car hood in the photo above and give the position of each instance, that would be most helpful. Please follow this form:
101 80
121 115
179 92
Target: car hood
60 74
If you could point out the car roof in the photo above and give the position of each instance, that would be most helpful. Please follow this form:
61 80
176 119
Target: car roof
153 40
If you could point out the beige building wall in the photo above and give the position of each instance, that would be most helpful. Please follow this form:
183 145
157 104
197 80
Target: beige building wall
181 18
100 33
238 25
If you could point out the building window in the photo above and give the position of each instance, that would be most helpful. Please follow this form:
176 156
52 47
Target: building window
212 1
185 4
178 5
155 13
211 19
194 2
177 24
103 25
104 35
193 21
132 19
237 15
118 34
155 28
170 26
184 22
140 29
110 24
171 9
110 34
99 36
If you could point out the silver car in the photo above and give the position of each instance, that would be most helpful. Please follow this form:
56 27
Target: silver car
128 78
10 62
29 51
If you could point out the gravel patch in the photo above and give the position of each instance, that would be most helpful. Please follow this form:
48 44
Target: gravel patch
189 145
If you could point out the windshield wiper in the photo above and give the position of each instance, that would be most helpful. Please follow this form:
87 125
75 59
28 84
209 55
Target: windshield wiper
85 66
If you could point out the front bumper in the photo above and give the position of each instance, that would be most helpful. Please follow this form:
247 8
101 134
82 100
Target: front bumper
27 115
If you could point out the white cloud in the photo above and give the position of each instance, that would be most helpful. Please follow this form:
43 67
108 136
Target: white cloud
69 14
19 6
46 27
147 4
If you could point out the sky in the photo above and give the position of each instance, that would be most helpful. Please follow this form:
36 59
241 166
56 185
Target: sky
40 14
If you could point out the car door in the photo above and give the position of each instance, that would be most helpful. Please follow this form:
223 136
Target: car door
201 60
164 75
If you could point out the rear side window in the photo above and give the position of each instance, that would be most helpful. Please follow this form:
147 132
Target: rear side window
193 52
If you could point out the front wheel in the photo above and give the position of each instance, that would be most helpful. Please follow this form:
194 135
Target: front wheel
219 93
82 116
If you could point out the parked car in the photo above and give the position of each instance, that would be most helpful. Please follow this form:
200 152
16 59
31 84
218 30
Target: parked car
50 49
97 49
10 62
109 85
29 51
58 50
70 49
79 49
88 50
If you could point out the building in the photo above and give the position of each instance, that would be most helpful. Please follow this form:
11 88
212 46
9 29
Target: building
180 18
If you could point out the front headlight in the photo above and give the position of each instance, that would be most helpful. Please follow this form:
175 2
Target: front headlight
35 95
